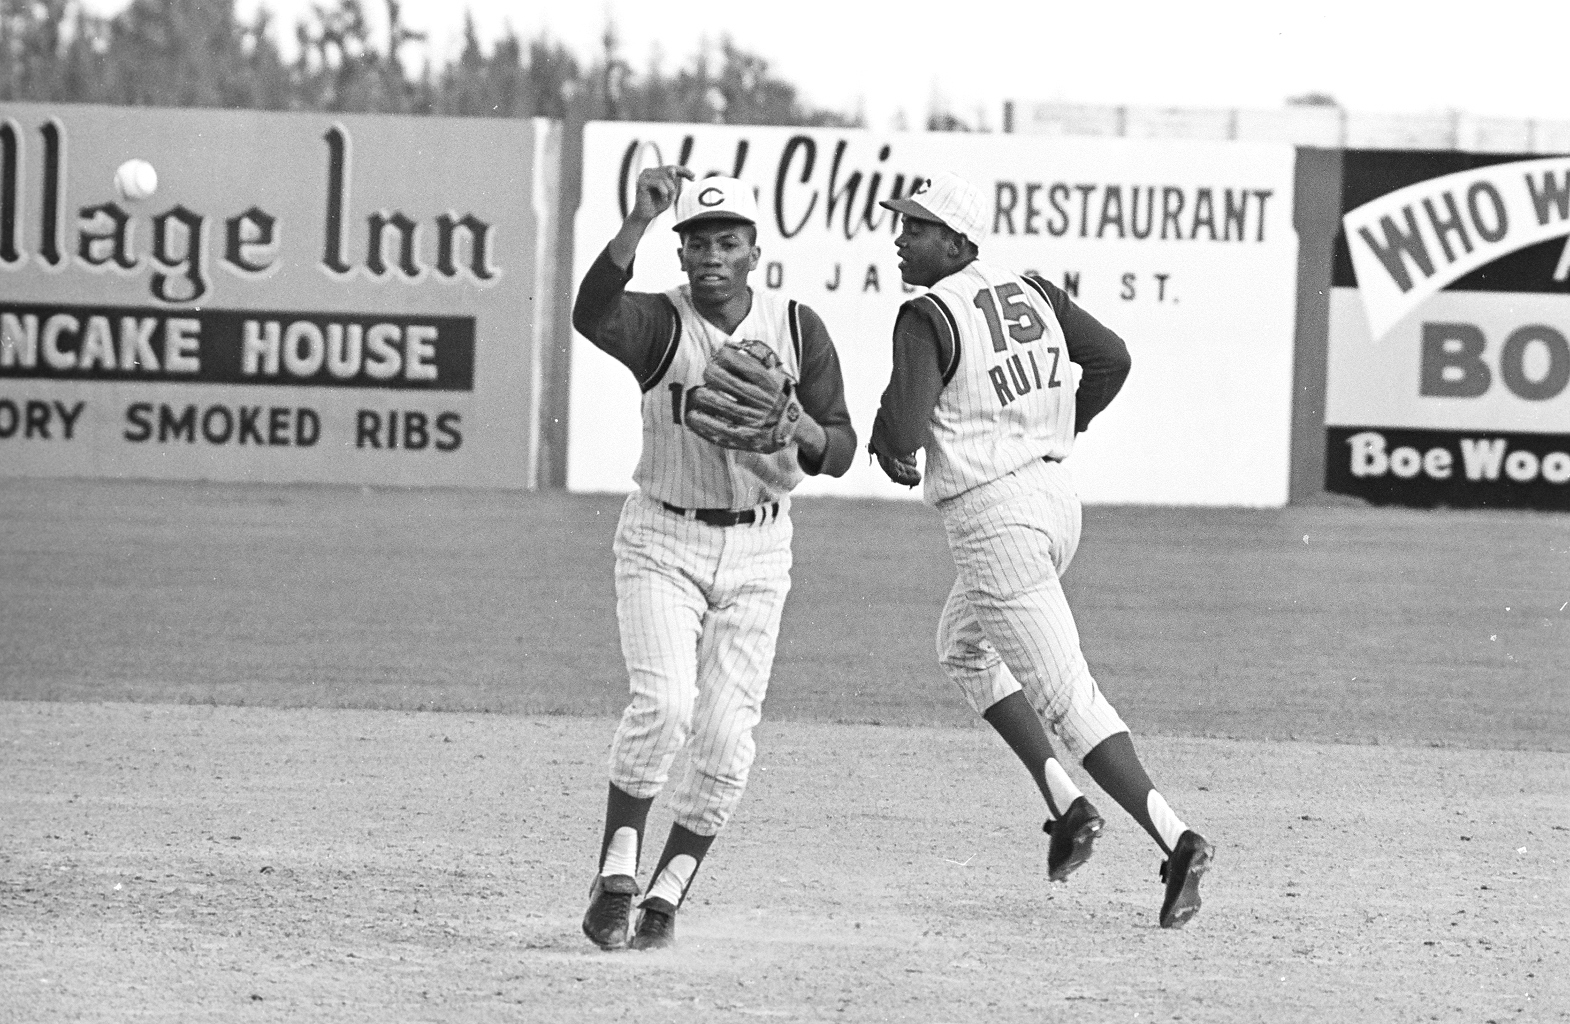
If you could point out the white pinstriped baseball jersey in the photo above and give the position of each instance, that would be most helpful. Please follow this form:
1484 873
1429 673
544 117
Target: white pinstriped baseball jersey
682 468
1008 395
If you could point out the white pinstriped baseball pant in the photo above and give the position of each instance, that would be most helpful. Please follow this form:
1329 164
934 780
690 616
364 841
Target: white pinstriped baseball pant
699 609
1007 624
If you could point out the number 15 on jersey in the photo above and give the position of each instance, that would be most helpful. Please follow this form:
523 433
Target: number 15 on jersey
1006 309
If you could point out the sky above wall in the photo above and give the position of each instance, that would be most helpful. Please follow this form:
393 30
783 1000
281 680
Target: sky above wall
1503 58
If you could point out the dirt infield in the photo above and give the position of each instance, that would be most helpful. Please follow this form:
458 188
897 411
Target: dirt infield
230 864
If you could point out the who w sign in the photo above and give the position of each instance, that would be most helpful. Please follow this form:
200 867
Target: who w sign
1449 362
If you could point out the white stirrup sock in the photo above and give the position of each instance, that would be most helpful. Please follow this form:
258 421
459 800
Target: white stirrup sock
1060 788
621 857
674 879
1167 823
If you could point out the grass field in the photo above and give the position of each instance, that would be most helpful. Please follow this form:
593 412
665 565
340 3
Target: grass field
326 754
1354 624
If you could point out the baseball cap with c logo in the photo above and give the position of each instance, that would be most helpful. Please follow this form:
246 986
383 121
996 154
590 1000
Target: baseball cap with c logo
947 199
715 199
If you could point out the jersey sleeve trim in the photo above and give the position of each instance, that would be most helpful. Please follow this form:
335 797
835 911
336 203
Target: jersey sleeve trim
947 320
1040 287
795 329
669 355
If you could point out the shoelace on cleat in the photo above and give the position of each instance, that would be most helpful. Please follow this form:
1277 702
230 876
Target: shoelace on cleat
654 922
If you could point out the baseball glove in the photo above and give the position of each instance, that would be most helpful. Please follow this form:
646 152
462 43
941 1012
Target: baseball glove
747 402
901 471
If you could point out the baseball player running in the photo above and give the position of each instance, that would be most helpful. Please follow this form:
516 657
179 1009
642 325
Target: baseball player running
994 375
742 396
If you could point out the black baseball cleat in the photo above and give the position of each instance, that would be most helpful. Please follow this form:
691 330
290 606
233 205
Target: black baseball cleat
1190 859
656 925
1072 836
610 906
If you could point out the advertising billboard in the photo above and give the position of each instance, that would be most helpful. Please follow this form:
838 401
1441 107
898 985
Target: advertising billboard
1186 249
199 294
1449 364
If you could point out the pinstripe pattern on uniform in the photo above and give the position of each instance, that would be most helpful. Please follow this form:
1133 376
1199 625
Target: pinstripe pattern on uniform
678 466
699 609
977 435
1007 624
669 355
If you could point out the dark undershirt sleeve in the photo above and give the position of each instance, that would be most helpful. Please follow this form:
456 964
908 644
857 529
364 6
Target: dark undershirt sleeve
1096 348
632 327
822 394
904 420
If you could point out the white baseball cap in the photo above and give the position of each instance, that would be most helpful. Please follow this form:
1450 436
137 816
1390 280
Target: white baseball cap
949 200
715 199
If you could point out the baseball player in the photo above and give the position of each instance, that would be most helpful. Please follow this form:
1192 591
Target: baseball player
994 375
742 396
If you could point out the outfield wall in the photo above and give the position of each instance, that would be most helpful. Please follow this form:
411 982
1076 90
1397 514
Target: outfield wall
305 297
379 300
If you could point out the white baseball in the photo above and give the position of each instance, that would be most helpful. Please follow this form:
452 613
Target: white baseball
136 179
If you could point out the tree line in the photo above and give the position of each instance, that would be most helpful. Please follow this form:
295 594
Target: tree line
199 53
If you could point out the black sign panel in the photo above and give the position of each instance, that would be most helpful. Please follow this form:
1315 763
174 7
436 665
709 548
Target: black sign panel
1369 174
209 346
1456 468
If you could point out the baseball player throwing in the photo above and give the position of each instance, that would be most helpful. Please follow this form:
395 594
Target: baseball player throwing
994 375
742 396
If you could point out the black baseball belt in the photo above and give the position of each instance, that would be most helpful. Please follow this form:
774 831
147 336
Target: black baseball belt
724 516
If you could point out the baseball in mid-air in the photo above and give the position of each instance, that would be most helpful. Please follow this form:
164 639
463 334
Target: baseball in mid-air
136 179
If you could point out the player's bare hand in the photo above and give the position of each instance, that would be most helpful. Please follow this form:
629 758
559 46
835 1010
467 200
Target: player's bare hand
657 189
901 471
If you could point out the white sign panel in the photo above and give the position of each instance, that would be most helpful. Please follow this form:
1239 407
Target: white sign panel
1495 361
1185 249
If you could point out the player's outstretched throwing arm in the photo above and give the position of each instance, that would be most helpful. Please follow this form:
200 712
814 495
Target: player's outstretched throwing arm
633 327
